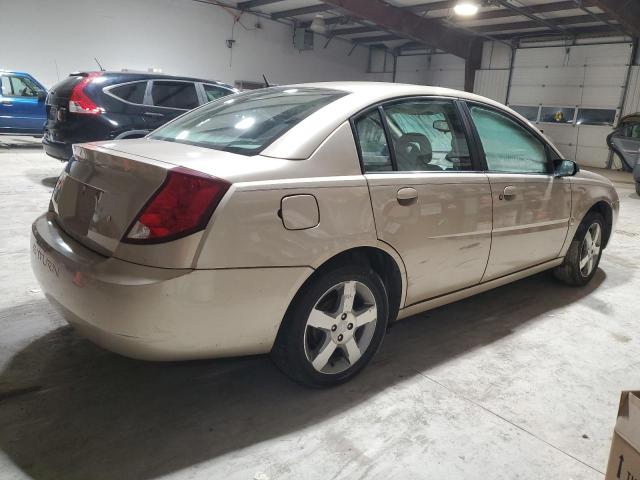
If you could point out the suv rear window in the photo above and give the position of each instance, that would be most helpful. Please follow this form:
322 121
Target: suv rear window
247 123
130 92
174 94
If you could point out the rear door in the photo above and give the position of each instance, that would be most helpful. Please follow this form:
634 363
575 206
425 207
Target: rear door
531 207
430 201
168 99
21 110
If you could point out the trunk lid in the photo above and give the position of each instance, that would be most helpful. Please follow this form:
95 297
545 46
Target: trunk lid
101 192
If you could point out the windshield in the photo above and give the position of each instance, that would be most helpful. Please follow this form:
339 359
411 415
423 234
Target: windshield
249 122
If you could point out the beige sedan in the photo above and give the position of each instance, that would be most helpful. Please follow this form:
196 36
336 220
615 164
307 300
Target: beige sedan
302 220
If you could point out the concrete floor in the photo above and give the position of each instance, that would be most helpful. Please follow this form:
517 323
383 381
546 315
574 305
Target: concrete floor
520 382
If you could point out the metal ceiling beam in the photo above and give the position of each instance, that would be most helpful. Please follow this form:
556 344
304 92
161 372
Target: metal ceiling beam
564 21
376 39
294 12
527 13
354 30
407 25
626 12
255 3
574 32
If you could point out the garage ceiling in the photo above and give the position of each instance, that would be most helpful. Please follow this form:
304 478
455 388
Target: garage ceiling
396 24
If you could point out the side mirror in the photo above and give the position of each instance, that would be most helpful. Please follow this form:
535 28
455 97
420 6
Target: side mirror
42 95
441 126
565 168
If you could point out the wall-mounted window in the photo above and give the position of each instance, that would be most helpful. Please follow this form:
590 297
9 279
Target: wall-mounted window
595 116
557 114
528 112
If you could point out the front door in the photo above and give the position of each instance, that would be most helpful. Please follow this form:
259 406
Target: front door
21 109
531 207
626 143
429 201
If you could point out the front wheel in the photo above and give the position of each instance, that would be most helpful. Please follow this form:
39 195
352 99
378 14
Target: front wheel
334 327
582 259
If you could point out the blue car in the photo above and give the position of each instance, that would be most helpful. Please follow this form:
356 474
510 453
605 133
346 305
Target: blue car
22 104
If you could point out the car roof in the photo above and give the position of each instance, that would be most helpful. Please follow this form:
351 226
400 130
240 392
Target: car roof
303 139
149 76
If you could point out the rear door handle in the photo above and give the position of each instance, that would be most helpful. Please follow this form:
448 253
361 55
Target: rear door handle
407 195
153 114
509 193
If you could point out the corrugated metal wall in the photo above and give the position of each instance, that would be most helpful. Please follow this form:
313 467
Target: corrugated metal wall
492 84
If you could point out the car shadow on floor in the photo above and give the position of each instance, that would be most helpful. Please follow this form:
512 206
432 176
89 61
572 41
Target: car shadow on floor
71 410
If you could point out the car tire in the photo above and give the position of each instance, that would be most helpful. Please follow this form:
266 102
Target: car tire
333 327
583 257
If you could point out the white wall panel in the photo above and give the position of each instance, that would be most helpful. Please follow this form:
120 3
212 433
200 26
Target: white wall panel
492 84
182 37
632 103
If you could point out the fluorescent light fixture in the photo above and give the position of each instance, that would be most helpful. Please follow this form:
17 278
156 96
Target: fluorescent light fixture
465 8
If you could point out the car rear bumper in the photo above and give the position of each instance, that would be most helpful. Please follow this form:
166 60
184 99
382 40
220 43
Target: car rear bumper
59 150
157 313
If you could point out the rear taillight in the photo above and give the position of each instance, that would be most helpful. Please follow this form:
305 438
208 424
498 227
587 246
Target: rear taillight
79 102
181 206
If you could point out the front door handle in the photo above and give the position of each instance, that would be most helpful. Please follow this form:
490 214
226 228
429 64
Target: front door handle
509 193
407 195
153 114
6 102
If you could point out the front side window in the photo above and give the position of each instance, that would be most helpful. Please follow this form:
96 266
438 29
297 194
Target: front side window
508 146
247 123
427 135
214 92
130 92
373 143
14 86
173 94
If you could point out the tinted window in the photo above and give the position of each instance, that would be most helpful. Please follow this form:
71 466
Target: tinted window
595 116
247 123
373 143
174 94
131 92
508 146
427 135
14 86
557 114
632 131
213 92
530 113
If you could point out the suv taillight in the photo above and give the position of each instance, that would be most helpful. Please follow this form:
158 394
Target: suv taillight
181 206
79 102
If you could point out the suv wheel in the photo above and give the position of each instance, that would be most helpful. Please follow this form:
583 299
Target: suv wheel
334 327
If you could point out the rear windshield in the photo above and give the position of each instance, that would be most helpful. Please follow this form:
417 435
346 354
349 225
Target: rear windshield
246 123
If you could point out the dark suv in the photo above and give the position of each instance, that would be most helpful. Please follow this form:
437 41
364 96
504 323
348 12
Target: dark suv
89 106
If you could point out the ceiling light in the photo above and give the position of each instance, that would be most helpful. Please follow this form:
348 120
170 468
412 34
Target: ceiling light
318 24
465 8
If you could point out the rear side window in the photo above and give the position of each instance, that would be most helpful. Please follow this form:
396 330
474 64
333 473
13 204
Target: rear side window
373 143
130 92
247 123
213 92
174 94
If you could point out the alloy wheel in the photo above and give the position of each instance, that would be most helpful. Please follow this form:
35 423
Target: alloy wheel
590 249
340 327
